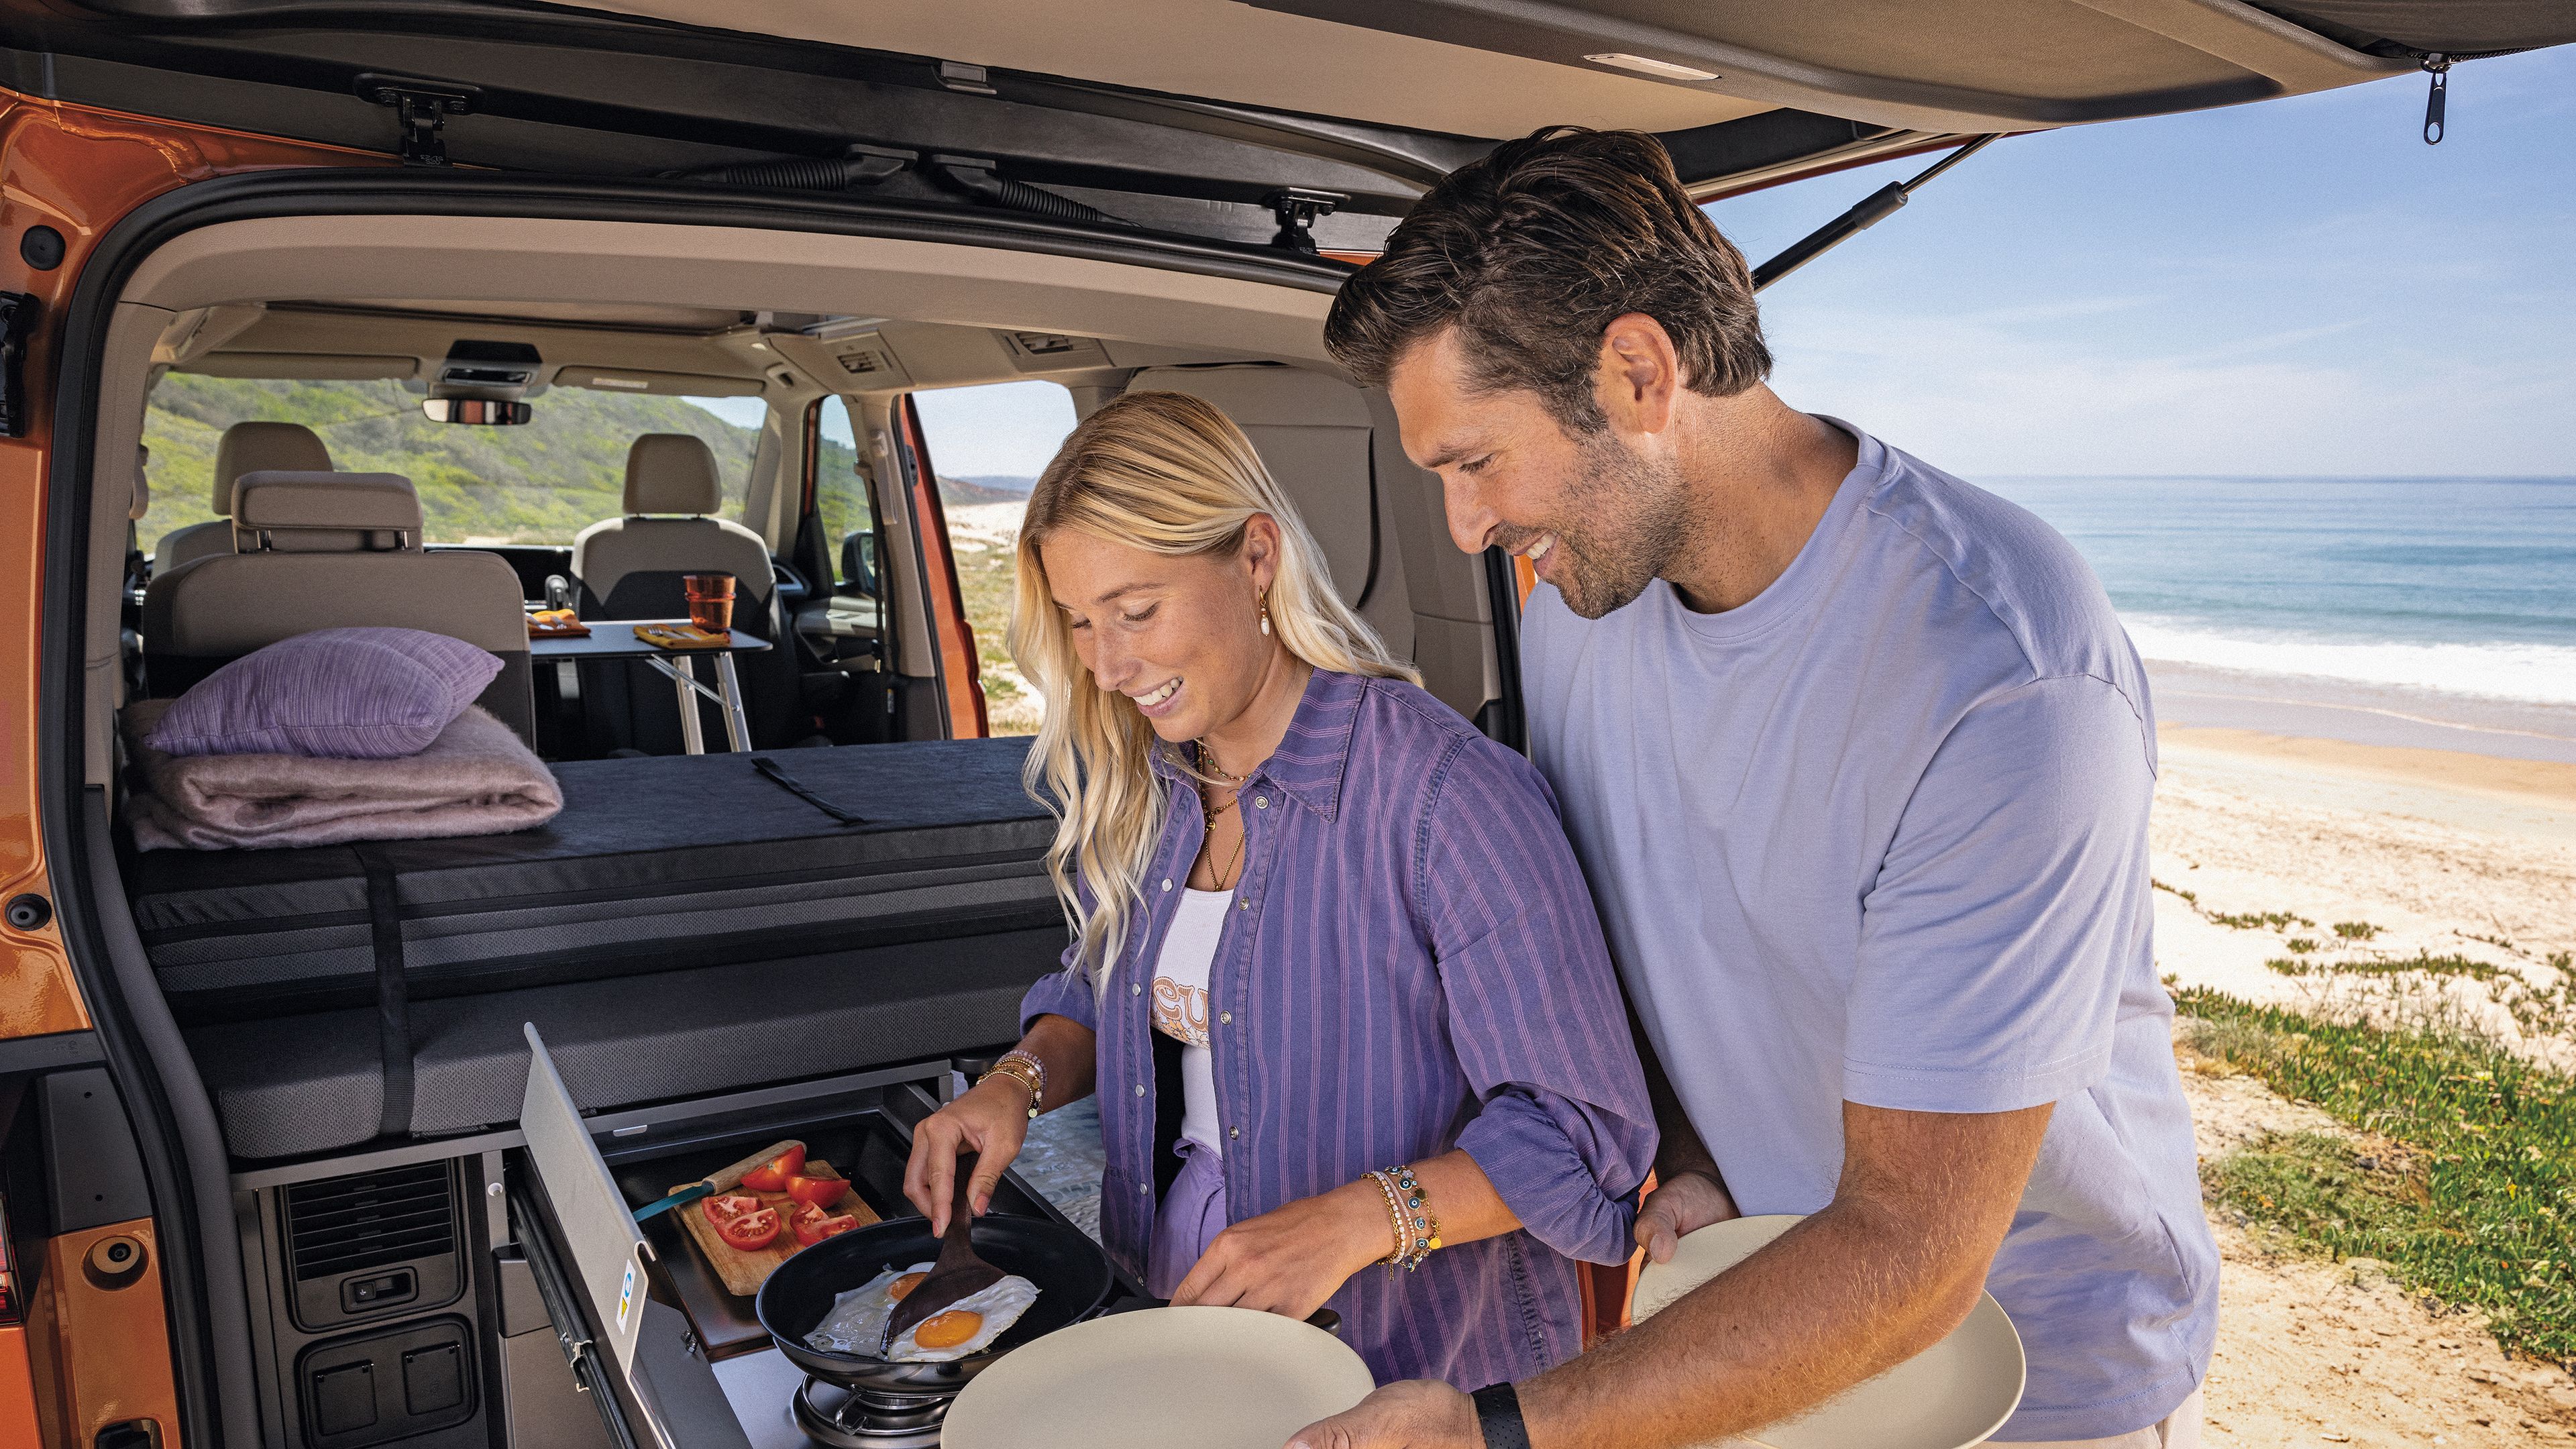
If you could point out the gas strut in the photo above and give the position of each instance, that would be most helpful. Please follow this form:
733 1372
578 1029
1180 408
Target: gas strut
1874 208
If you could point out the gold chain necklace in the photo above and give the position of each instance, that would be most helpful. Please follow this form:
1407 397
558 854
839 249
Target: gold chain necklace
1209 813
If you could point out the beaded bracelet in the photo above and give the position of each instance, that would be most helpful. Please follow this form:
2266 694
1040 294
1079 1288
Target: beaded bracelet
1425 1224
1417 1228
1394 1220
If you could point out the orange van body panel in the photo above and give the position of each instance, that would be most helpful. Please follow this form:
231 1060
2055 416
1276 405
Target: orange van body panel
99 1352
18 1422
79 171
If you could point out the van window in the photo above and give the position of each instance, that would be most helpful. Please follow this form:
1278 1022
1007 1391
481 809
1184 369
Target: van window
540 483
989 444
841 498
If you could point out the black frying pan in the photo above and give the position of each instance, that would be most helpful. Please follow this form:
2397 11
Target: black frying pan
1071 1273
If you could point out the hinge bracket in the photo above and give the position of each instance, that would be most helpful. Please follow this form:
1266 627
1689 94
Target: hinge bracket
422 107
1297 207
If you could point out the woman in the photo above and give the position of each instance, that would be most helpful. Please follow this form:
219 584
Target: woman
1335 968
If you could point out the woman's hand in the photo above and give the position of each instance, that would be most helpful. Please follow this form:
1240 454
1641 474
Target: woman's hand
1289 1261
992 1121
1682 1203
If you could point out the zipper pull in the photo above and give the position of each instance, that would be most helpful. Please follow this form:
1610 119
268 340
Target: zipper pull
2438 66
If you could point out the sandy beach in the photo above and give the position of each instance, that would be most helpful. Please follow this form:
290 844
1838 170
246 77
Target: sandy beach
2263 844
2264 841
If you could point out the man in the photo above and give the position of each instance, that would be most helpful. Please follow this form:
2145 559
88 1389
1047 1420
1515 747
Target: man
1857 760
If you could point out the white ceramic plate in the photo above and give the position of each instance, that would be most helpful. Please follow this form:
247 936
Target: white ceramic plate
1949 1396
1160 1378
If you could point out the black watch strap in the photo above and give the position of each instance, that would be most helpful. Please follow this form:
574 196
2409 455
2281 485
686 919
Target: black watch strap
1498 1417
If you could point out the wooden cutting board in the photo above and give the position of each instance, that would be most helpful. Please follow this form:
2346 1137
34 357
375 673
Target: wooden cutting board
743 1272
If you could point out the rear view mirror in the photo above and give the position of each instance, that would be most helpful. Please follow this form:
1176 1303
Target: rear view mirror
480 411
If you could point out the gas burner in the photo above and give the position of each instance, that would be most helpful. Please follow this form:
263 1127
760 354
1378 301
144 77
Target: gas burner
865 1419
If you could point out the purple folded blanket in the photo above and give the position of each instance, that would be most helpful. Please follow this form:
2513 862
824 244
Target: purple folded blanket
476 778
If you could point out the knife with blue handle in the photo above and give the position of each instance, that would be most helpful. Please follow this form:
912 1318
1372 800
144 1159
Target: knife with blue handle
715 1182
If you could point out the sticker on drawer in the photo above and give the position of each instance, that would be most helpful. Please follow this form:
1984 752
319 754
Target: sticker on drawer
626 1296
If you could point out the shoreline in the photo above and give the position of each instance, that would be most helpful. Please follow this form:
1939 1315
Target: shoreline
2308 707
2474 791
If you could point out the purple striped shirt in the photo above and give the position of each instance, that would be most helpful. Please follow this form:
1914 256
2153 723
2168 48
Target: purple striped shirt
1413 965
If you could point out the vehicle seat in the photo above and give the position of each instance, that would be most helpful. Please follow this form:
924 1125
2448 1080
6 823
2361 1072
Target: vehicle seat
245 448
1334 450
318 550
631 567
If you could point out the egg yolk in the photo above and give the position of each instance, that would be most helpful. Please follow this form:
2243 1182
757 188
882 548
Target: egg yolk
903 1286
949 1329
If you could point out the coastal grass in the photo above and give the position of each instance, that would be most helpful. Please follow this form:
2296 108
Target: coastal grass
2422 963
2472 1196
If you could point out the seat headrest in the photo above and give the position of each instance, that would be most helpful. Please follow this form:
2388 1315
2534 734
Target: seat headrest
672 473
265 448
282 512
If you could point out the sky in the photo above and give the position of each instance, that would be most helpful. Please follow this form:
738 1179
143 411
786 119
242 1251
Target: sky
2299 287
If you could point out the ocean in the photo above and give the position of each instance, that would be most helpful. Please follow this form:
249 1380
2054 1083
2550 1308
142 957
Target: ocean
2448 601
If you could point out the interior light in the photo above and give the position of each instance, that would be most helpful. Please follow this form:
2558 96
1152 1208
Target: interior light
1648 65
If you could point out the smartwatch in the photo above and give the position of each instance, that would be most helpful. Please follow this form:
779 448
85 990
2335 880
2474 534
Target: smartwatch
1498 1417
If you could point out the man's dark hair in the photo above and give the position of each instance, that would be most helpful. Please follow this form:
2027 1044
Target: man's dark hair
1531 253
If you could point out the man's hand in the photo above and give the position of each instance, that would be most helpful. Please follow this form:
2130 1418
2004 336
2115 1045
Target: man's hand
1289 1260
1683 1203
1415 1414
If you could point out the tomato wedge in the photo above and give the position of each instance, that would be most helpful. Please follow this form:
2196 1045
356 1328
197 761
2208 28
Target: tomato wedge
771 1176
725 1207
813 1224
751 1231
817 1191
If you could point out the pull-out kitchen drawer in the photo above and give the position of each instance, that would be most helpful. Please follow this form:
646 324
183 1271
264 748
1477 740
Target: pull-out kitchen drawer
634 1353
690 1366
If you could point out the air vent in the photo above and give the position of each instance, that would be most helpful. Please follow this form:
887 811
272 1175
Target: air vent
863 362
347 1225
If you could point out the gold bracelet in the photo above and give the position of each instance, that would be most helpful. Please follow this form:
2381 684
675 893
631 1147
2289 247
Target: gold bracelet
1021 1069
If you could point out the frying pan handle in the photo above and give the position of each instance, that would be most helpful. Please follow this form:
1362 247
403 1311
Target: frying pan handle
1326 1319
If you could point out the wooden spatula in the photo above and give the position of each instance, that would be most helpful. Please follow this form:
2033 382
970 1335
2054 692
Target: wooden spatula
957 1274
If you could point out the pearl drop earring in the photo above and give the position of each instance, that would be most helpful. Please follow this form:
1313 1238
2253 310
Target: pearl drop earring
1265 613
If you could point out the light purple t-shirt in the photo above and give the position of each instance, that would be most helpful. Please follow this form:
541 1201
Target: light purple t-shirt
1880 835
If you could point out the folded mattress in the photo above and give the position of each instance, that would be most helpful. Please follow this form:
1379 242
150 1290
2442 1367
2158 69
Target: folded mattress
655 865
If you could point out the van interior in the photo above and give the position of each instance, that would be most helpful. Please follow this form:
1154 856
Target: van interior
713 959
393 1105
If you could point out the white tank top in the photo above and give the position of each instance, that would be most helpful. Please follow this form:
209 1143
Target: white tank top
1181 1007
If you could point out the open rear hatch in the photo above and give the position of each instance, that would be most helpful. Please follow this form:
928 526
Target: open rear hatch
1292 122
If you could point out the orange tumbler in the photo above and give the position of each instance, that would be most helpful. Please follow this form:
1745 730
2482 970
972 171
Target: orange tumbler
710 601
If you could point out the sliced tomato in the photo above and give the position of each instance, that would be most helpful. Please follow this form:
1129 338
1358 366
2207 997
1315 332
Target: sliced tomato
725 1207
819 1191
771 1176
813 1225
751 1231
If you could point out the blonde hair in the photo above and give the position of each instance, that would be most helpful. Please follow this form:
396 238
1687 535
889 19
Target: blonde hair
1170 474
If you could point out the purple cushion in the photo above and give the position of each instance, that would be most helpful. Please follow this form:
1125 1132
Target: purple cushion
343 694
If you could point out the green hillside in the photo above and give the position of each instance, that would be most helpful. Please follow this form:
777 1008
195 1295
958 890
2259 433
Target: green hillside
540 483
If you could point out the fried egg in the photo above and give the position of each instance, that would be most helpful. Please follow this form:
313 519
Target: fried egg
858 1318
970 1326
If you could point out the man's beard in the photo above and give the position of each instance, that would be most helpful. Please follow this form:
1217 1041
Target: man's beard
1637 522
